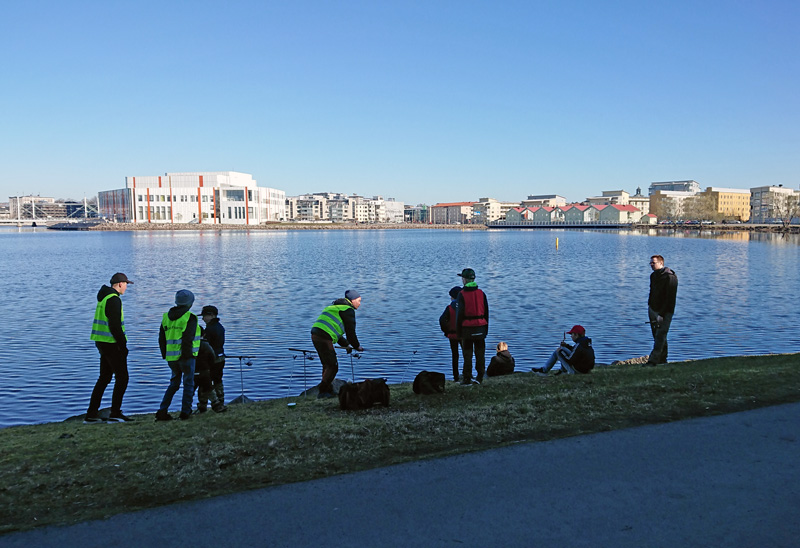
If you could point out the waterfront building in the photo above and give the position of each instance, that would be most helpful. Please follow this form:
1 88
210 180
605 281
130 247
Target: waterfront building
609 197
577 213
729 203
642 203
40 207
214 197
341 208
519 214
452 213
667 204
548 214
774 203
417 214
692 187
615 213
486 210
544 200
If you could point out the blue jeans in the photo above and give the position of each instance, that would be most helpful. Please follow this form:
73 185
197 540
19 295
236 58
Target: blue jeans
558 357
186 369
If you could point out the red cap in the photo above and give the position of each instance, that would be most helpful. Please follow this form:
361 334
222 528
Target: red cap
577 329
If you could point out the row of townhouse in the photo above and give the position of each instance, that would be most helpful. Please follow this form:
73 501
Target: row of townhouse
580 213
341 208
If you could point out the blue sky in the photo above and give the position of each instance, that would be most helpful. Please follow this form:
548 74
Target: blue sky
423 101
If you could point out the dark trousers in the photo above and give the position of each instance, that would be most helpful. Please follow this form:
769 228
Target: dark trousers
330 365
660 330
479 346
113 363
454 354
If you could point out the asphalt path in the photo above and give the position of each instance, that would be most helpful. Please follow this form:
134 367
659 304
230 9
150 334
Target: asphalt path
725 481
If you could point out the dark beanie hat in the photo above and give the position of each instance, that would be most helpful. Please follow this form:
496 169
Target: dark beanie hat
455 291
351 295
184 297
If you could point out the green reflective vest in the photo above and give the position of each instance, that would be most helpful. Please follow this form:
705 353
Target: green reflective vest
173 331
330 321
100 330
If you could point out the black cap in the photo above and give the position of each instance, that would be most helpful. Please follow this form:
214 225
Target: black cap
209 309
467 273
119 277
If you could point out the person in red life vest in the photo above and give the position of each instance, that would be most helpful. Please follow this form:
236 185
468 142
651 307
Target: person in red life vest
472 325
447 321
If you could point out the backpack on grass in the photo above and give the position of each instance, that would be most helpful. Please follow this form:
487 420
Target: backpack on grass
363 395
429 382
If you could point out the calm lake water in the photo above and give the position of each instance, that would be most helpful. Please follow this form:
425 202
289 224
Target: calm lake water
737 295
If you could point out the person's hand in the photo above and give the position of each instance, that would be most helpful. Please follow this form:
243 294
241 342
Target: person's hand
349 349
360 349
659 319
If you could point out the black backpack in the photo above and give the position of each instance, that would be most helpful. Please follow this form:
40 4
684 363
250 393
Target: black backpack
429 382
363 395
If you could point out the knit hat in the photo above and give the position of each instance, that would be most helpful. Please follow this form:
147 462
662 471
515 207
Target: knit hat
184 297
455 291
351 295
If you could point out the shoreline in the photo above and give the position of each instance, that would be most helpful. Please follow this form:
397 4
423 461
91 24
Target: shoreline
279 226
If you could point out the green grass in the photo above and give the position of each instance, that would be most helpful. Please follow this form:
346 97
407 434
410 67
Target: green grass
67 472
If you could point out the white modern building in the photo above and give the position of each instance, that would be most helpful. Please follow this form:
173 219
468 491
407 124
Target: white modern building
338 208
675 186
773 203
218 197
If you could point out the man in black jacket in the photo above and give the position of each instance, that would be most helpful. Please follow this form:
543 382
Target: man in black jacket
661 307
574 359
108 334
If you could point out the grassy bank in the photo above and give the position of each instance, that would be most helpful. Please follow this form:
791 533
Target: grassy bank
67 472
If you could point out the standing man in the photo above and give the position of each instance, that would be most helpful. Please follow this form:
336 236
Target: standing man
179 341
108 334
215 335
661 307
472 325
336 324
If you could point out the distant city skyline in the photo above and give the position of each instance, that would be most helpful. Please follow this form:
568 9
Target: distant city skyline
424 103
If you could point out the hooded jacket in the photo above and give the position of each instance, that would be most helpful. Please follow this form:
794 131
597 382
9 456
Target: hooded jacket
114 315
187 338
580 356
501 364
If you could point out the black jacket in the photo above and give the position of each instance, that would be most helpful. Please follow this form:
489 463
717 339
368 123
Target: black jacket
215 335
580 356
663 290
188 335
501 364
114 314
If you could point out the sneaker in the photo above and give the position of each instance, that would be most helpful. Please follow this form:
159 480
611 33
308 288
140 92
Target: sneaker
163 416
219 408
94 419
479 380
185 416
119 417
466 381
539 371
200 410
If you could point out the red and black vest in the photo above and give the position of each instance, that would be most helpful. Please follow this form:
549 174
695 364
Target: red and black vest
451 324
474 309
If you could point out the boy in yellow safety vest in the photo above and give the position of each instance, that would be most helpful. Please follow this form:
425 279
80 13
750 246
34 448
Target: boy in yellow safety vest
179 341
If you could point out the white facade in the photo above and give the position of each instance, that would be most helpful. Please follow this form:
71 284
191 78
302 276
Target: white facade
338 208
772 203
223 197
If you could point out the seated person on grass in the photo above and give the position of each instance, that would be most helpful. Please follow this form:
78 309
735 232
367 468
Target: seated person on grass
574 359
502 363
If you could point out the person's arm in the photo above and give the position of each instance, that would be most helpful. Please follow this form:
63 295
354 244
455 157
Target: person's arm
349 320
114 315
162 342
187 339
444 320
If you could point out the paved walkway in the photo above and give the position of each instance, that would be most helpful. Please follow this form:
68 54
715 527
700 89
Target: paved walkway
727 481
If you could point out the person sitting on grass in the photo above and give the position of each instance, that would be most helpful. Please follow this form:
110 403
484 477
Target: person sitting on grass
574 359
502 363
